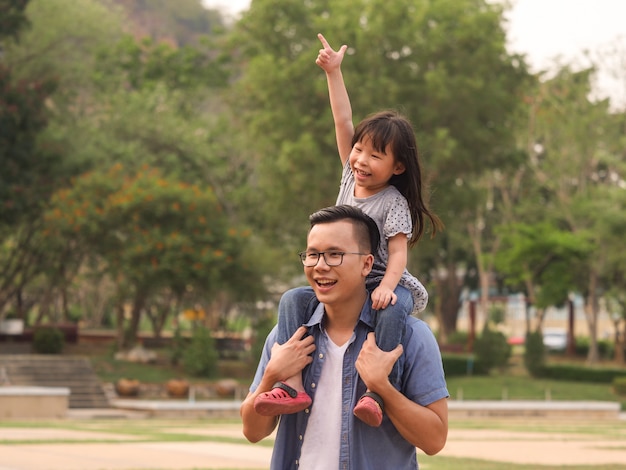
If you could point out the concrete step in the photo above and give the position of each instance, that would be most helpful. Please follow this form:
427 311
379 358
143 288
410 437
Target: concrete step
74 373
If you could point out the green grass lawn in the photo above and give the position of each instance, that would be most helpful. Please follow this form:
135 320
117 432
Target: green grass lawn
514 383
517 387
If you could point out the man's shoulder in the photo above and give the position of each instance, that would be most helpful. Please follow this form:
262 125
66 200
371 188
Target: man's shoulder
417 328
416 322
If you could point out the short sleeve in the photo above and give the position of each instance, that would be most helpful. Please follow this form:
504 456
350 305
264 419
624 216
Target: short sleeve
398 218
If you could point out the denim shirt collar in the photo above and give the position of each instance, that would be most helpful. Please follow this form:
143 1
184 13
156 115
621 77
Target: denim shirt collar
367 315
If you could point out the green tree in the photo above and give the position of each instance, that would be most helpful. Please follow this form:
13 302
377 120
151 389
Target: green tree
443 64
573 175
138 102
12 18
30 163
152 233
41 74
543 261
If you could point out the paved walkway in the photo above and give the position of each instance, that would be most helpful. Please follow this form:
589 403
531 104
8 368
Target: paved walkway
76 445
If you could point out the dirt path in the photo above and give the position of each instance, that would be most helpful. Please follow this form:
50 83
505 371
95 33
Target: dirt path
85 450
536 448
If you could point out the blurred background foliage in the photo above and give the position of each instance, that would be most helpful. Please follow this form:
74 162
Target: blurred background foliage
156 157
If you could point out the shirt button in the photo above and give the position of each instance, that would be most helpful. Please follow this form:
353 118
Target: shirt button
321 356
307 410
313 385
300 437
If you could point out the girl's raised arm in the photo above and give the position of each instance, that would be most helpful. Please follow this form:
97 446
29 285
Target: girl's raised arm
330 60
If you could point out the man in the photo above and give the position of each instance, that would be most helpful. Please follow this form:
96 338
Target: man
346 361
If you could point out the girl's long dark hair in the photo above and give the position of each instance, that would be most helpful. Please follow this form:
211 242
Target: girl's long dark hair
389 128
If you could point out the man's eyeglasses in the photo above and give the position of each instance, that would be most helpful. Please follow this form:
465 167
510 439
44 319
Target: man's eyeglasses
331 258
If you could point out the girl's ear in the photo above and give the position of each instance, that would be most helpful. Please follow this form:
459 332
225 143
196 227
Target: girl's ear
399 168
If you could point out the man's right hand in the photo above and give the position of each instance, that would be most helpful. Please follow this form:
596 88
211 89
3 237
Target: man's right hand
290 358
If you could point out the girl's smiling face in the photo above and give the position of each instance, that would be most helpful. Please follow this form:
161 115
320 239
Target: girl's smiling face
372 168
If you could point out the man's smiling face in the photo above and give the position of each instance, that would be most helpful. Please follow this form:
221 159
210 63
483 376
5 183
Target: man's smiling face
336 284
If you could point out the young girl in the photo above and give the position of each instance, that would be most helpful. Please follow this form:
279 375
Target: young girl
382 176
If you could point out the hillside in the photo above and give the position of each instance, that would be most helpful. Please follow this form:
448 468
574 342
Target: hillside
178 23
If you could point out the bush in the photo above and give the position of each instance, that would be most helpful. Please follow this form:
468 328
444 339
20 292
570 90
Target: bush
200 357
497 314
48 340
582 373
459 338
177 348
492 349
606 349
535 354
619 385
455 365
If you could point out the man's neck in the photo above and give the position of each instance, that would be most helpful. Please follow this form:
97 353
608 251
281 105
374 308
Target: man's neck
340 319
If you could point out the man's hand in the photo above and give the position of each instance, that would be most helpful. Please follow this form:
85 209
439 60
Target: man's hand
374 365
291 357
382 296
329 59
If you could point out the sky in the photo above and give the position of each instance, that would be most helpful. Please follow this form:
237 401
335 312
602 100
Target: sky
545 30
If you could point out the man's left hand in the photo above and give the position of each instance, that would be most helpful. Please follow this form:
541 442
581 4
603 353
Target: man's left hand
373 364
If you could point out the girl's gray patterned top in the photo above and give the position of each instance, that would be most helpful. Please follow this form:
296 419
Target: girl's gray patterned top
390 209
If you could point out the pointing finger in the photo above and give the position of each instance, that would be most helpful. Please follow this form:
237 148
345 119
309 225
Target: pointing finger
321 37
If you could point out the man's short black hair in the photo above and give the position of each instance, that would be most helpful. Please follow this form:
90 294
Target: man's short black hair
368 236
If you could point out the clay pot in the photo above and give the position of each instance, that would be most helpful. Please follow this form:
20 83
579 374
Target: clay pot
226 388
177 388
127 387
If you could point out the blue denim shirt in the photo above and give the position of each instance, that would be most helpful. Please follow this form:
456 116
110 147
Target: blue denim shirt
362 447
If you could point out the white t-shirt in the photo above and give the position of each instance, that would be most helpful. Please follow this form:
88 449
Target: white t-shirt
323 430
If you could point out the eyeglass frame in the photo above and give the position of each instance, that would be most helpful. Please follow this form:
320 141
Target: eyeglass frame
322 254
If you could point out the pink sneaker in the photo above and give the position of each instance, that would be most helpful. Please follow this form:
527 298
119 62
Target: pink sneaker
281 400
369 409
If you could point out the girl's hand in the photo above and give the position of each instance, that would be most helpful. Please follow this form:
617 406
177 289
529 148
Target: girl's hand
382 296
329 59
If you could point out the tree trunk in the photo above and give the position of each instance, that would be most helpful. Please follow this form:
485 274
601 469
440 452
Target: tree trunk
44 305
530 302
120 320
138 305
158 313
620 342
448 290
591 313
571 338
620 347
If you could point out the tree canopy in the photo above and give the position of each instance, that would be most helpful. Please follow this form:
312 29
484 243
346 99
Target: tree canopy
159 151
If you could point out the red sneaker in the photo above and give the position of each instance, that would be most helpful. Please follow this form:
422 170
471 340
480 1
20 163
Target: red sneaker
369 409
281 400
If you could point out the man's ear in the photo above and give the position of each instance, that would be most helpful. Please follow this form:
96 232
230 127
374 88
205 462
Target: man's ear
368 264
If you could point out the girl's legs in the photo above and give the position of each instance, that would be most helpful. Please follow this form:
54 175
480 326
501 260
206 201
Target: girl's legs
390 326
294 309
